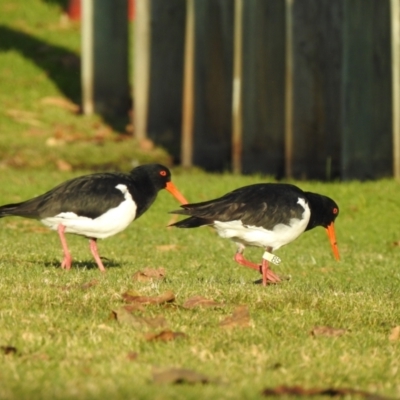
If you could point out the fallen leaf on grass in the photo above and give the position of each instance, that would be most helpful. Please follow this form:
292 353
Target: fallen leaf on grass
164 336
179 376
8 350
26 117
239 318
132 356
63 165
62 103
167 247
125 317
332 392
149 274
146 145
134 307
395 334
327 331
133 297
200 301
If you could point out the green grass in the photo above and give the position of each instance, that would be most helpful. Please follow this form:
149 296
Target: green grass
69 347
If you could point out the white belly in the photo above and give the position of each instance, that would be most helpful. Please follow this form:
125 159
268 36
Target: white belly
110 223
261 237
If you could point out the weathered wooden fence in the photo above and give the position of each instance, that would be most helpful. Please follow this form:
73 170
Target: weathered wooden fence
291 88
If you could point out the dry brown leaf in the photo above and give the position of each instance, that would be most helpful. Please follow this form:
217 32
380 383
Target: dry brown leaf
26 117
149 274
38 229
134 307
167 247
178 376
8 350
165 297
200 301
146 145
239 318
132 356
62 103
395 334
63 165
125 317
327 331
332 392
164 336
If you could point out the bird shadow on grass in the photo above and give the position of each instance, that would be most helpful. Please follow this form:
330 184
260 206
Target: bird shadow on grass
85 264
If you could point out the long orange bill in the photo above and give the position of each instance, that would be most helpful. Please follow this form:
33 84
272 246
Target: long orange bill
332 238
176 193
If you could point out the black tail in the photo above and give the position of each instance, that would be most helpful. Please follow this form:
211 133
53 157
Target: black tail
192 222
9 210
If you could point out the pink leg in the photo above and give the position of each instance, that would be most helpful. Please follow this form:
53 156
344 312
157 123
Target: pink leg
93 249
67 261
242 261
268 275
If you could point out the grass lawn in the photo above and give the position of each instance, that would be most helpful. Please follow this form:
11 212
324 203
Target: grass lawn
69 344
73 334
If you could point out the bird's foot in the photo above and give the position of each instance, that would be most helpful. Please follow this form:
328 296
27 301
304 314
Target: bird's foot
268 275
66 262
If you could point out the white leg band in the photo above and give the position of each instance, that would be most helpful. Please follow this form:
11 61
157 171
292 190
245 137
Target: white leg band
271 258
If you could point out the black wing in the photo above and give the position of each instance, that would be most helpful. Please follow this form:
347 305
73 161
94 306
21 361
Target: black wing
89 196
263 205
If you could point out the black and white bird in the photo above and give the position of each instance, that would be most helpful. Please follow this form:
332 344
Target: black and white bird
267 215
97 205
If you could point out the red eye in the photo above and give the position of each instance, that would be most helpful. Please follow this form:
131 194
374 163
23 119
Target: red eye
335 210
163 173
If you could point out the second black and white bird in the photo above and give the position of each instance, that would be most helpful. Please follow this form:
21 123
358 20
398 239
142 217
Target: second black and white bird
267 215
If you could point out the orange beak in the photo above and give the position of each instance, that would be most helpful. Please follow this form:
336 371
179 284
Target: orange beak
176 193
332 238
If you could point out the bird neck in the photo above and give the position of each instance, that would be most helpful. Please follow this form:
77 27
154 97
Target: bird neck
143 192
317 210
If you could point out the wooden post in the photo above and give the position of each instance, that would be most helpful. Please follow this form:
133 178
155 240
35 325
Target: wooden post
237 89
164 120
87 57
188 88
395 39
289 90
141 64
367 139
105 80
212 135
263 87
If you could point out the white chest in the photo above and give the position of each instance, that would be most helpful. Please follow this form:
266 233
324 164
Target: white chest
280 235
108 224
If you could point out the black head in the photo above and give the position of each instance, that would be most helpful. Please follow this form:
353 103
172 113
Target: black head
324 210
160 177
323 213
157 173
